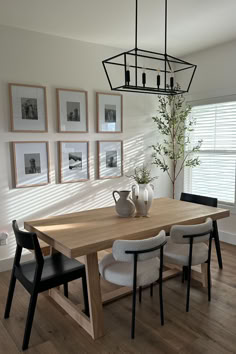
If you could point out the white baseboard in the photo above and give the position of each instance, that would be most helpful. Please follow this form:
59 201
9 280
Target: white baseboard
227 237
7 263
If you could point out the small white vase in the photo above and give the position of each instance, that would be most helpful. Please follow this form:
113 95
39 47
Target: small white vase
142 206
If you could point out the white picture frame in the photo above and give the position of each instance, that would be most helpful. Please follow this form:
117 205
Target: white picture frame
28 108
74 161
109 113
72 110
110 159
31 163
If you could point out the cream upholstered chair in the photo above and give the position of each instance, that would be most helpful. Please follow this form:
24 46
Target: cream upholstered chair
213 202
186 247
135 264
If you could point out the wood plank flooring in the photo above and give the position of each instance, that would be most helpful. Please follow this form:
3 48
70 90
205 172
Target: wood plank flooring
207 328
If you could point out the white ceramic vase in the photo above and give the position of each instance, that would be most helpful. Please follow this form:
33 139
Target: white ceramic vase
124 205
142 196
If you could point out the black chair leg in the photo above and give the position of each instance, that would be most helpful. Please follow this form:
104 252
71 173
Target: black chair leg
209 281
161 303
66 293
217 244
151 290
140 294
188 289
10 295
183 274
133 313
29 321
85 294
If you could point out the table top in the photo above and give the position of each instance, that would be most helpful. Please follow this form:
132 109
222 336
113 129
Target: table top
94 230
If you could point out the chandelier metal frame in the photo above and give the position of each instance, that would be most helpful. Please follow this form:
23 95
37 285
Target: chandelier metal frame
168 70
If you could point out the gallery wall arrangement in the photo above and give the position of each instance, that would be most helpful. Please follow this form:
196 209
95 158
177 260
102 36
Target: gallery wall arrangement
28 113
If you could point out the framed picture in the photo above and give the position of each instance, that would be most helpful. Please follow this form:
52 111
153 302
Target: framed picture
109 113
31 163
110 159
72 107
28 108
74 161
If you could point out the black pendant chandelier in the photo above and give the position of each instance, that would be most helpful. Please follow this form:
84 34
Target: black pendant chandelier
146 71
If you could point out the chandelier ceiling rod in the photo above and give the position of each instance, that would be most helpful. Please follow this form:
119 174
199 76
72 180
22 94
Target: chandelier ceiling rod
136 26
165 27
136 43
166 59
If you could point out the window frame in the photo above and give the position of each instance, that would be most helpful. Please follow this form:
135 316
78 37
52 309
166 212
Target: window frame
212 101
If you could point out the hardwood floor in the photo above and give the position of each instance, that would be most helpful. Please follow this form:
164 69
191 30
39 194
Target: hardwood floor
207 328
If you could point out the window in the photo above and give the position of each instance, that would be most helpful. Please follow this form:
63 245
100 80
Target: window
215 177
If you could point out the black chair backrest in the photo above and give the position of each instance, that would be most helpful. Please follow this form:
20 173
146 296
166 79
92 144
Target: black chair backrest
29 241
199 199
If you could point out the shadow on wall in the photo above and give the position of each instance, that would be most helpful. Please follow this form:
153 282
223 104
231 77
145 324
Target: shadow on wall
54 199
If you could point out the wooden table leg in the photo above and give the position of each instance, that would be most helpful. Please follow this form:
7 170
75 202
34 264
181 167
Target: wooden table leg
204 275
95 324
200 276
94 295
51 252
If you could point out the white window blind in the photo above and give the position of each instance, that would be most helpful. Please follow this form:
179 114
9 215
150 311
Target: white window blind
215 177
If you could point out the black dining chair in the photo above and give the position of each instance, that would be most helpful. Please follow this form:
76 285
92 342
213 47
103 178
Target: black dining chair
209 201
41 274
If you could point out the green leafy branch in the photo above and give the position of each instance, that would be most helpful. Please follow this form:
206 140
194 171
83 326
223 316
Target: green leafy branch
176 124
142 175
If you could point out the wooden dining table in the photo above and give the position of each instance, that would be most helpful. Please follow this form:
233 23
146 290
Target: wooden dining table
89 232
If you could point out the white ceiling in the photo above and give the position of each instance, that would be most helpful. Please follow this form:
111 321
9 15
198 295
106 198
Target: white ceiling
193 24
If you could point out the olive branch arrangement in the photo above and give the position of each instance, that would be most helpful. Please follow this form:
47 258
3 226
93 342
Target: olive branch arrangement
175 123
142 175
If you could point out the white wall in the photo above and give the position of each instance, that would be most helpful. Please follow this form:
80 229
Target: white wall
33 58
215 77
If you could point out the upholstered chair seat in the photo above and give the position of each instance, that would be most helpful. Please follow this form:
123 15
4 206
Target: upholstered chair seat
121 273
176 253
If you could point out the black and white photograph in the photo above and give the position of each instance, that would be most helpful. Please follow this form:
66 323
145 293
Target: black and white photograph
75 160
32 163
111 159
29 108
73 111
109 113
